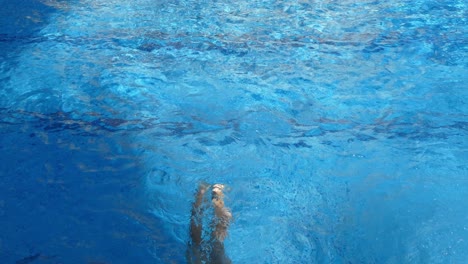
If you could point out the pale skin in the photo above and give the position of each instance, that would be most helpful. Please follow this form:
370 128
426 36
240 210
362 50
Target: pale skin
222 213
220 223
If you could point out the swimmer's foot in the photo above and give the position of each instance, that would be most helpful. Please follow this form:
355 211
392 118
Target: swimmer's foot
222 214
197 213
200 192
218 191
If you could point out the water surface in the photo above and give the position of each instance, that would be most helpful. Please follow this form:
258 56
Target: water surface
340 128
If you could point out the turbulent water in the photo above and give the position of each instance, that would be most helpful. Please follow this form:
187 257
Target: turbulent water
339 127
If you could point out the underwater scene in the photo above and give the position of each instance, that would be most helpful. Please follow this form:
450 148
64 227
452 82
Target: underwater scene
318 131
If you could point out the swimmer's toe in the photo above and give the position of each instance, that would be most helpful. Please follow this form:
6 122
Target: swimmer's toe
218 189
202 187
218 186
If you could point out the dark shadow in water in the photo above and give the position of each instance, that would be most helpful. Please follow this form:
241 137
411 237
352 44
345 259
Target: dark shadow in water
74 197
21 20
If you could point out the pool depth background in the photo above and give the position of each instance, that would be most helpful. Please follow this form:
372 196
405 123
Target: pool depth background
340 128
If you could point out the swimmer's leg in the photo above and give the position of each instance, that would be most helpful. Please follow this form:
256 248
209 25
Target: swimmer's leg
195 254
220 225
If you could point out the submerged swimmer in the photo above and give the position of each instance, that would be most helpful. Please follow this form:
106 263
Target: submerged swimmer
211 251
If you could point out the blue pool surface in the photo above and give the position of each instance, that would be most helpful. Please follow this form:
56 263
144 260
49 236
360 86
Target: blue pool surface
339 127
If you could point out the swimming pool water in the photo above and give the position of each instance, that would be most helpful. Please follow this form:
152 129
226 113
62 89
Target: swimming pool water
339 127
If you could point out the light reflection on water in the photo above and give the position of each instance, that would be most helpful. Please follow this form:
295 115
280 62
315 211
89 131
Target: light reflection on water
339 127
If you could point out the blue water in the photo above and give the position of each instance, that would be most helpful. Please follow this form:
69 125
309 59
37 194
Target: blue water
339 127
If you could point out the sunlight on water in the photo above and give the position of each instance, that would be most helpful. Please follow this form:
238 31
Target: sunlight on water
339 127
